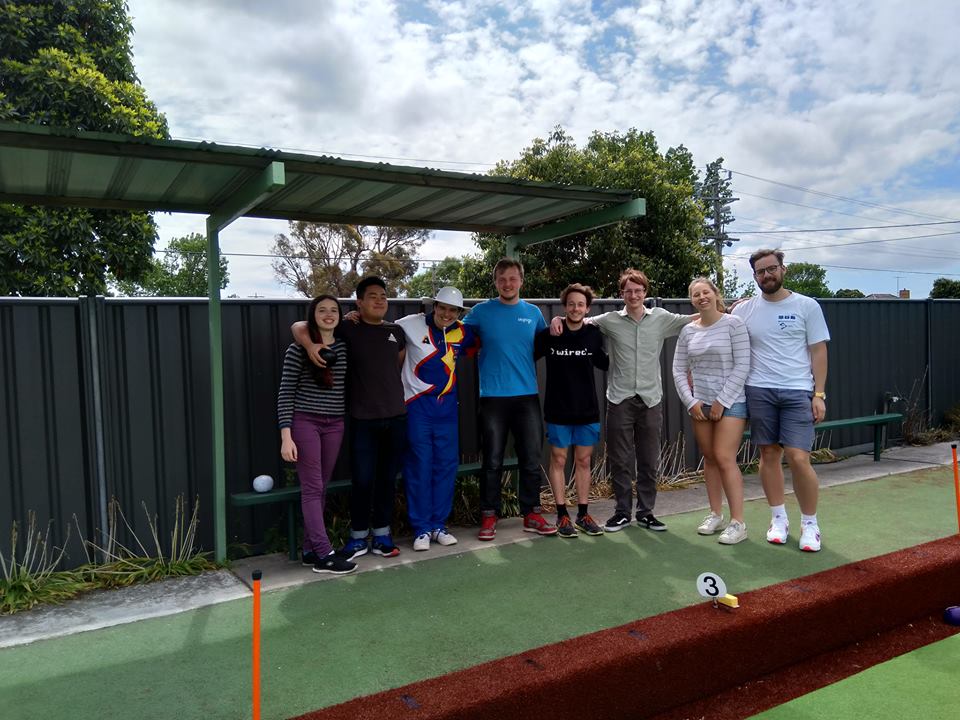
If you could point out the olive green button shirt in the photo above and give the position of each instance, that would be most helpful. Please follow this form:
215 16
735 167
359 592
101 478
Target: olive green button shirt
634 349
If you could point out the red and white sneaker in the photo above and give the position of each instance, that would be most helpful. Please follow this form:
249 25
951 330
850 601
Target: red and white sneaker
810 538
535 523
488 528
778 532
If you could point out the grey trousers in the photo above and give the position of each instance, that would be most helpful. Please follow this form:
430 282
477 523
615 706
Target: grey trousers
633 451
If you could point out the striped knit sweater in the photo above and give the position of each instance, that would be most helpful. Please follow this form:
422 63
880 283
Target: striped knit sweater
299 392
718 358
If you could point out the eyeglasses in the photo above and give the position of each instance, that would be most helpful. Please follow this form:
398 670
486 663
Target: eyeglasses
772 270
634 292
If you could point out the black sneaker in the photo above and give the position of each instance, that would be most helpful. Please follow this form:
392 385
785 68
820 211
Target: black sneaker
618 522
334 565
309 559
650 523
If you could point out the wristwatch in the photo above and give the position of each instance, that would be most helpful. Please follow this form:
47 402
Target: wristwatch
821 395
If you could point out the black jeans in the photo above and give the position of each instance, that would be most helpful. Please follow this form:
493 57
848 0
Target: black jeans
519 415
377 448
633 452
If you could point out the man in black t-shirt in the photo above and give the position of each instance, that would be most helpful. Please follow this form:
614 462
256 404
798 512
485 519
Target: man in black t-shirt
378 417
570 406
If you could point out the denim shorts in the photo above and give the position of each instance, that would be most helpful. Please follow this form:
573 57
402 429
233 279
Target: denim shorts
737 410
781 417
563 436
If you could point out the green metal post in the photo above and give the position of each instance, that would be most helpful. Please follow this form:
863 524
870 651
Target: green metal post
272 177
580 223
216 392
513 251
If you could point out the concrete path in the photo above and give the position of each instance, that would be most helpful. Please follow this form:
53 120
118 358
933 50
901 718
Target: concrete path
115 607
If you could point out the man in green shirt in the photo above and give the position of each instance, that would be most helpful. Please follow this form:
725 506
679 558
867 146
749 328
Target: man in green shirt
635 338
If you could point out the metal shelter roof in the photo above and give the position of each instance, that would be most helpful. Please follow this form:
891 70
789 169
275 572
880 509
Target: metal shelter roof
40 165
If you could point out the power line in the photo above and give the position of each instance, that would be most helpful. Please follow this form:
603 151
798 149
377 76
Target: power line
837 229
832 196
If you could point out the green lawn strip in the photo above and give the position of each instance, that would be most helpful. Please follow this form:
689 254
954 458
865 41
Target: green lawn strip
919 684
327 642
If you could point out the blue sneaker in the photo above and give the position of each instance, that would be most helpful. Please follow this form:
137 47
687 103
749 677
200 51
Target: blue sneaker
383 545
354 548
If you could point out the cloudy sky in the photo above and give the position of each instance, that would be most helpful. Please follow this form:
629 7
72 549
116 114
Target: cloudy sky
830 115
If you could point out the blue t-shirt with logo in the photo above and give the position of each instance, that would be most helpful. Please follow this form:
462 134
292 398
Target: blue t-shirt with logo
506 346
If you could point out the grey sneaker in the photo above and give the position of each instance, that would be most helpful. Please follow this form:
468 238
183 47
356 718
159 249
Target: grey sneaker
565 528
735 532
711 523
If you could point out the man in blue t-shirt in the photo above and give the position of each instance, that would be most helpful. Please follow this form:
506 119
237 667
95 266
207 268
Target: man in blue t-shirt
509 401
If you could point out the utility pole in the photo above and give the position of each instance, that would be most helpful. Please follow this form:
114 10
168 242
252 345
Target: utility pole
720 199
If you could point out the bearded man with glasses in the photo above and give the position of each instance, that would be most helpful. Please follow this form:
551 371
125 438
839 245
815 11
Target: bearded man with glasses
785 392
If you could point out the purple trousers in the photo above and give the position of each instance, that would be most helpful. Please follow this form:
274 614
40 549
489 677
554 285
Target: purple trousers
318 439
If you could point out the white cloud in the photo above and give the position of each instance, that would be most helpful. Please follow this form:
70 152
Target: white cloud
857 99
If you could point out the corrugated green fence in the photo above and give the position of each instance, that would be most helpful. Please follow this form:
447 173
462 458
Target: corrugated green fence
110 397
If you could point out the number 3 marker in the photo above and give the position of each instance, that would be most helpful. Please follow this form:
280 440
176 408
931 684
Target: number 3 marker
710 585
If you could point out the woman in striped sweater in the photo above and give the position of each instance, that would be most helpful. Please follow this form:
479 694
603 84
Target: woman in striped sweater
714 353
310 410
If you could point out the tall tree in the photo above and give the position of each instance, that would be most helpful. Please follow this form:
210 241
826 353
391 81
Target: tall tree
807 279
181 272
945 288
69 64
665 243
316 259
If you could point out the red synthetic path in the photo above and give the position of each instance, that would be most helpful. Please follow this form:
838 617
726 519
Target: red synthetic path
667 661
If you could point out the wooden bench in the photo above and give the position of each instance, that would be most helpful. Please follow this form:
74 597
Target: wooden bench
291 496
877 421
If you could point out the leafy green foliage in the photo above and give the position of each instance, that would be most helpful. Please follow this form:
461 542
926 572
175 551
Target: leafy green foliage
69 64
665 243
944 288
807 279
733 288
848 293
469 274
181 272
322 258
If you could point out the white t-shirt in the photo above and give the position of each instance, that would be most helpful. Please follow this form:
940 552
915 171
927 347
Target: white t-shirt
781 334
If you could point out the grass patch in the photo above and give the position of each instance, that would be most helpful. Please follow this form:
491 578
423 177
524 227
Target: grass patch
30 575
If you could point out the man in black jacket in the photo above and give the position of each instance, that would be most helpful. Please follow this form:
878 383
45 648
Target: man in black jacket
570 407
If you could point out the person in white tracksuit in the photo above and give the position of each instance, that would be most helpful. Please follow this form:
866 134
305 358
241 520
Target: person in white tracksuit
434 342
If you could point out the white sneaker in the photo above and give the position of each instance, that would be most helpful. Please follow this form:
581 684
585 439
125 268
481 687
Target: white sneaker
810 538
442 537
734 533
711 523
779 530
422 542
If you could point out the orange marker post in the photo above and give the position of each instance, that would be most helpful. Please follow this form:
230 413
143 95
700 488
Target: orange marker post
956 482
256 644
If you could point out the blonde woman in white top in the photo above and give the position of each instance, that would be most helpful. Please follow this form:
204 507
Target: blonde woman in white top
710 368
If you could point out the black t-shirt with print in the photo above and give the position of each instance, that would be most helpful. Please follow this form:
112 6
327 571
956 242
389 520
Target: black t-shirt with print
571 395
374 388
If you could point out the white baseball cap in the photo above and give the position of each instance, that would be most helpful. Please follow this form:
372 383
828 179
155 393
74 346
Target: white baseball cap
450 296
